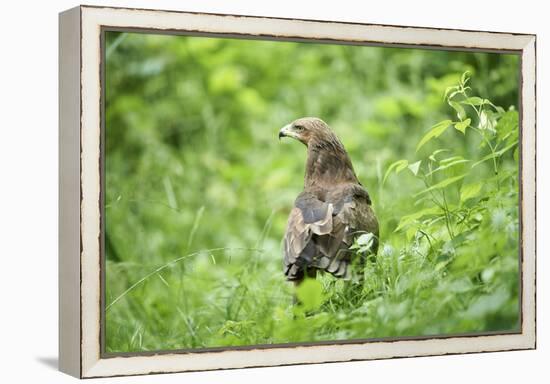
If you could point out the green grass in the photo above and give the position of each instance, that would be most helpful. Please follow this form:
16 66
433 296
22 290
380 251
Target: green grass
198 191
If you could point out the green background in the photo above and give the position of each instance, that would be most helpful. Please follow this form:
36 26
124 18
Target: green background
198 189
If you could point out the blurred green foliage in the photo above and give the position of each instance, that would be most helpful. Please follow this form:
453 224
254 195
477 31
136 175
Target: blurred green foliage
198 190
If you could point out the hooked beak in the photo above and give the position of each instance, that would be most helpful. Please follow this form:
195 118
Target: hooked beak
285 131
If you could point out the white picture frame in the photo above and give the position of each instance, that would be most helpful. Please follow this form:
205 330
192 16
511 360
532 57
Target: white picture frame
80 241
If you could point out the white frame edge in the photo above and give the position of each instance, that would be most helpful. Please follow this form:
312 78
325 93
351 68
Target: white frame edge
69 192
80 312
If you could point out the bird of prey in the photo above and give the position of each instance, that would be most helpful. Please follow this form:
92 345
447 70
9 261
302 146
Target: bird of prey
332 210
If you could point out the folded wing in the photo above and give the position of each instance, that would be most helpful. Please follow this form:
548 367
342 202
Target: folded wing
320 231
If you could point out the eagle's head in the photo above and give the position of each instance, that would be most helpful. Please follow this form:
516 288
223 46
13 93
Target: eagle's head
308 130
327 160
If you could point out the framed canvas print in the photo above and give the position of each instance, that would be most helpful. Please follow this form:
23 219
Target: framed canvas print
242 191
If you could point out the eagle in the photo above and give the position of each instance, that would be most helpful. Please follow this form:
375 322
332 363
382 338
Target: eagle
332 210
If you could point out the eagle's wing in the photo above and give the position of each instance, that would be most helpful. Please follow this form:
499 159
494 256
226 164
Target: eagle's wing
319 233
309 217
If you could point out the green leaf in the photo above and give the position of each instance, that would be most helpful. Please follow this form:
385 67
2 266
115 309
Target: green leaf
460 112
482 120
462 125
435 131
474 100
507 124
398 166
450 160
364 243
442 184
432 157
410 232
414 167
448 163
496 154
365 239
468 191
450 92
464 78
310 294
401 167
500 110
487 120
408 219
484 305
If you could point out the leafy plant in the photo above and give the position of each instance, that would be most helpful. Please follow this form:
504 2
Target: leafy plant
479 208
497 131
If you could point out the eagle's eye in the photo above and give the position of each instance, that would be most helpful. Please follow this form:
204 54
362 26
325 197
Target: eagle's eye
299 128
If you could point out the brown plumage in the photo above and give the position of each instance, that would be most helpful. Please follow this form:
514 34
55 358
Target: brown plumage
332 210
